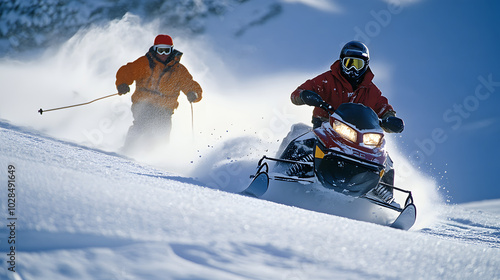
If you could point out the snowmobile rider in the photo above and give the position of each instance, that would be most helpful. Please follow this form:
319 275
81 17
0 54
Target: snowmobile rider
159 78
349 80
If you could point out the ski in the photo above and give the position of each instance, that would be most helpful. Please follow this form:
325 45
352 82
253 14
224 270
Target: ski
258 186
406 218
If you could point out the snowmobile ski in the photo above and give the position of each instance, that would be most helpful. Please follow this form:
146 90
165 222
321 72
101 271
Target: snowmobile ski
258 186
406 218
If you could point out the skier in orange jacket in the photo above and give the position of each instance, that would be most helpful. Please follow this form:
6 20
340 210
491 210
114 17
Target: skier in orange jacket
159 78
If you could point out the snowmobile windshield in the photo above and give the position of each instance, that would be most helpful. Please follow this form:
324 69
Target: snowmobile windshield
359 115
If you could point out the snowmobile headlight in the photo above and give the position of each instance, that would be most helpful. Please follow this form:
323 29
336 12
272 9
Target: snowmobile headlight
345 131
372 139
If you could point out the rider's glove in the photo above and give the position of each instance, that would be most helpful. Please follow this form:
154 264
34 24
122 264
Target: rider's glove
311 98
392 124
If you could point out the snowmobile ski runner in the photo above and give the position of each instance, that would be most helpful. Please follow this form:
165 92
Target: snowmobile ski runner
259 184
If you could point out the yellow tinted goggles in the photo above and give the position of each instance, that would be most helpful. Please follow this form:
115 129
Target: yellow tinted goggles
350 62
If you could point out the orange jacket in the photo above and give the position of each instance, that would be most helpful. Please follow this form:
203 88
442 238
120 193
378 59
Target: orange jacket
335 90
158 82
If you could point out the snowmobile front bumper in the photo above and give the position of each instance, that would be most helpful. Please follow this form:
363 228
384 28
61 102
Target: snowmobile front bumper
346 174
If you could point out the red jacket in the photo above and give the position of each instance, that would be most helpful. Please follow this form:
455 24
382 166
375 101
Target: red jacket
335 90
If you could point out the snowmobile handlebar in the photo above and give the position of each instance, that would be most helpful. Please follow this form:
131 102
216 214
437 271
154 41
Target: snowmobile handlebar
391 124
327 107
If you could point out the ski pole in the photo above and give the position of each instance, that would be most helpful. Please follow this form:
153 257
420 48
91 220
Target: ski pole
192 118
76 105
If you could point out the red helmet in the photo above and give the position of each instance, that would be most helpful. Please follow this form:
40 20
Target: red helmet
163 40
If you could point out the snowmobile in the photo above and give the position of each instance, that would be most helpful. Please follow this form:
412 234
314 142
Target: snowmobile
345 154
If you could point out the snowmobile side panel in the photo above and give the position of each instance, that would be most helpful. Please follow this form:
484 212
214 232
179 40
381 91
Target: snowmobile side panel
258 186
406 218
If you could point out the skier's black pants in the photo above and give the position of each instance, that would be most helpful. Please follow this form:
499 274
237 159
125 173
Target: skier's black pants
151 124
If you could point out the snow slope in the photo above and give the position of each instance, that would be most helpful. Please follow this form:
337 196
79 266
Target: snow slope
87 214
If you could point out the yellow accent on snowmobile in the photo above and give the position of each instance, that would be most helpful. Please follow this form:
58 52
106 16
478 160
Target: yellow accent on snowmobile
319 153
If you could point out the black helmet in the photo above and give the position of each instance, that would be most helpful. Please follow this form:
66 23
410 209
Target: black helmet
354 58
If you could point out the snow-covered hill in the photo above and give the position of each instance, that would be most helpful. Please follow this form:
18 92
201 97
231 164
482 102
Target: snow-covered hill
82 213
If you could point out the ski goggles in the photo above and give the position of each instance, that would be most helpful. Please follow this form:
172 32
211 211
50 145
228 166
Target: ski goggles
163 49
350 62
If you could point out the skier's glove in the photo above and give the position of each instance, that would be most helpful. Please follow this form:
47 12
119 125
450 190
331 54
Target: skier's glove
392 124
192 96
122 89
